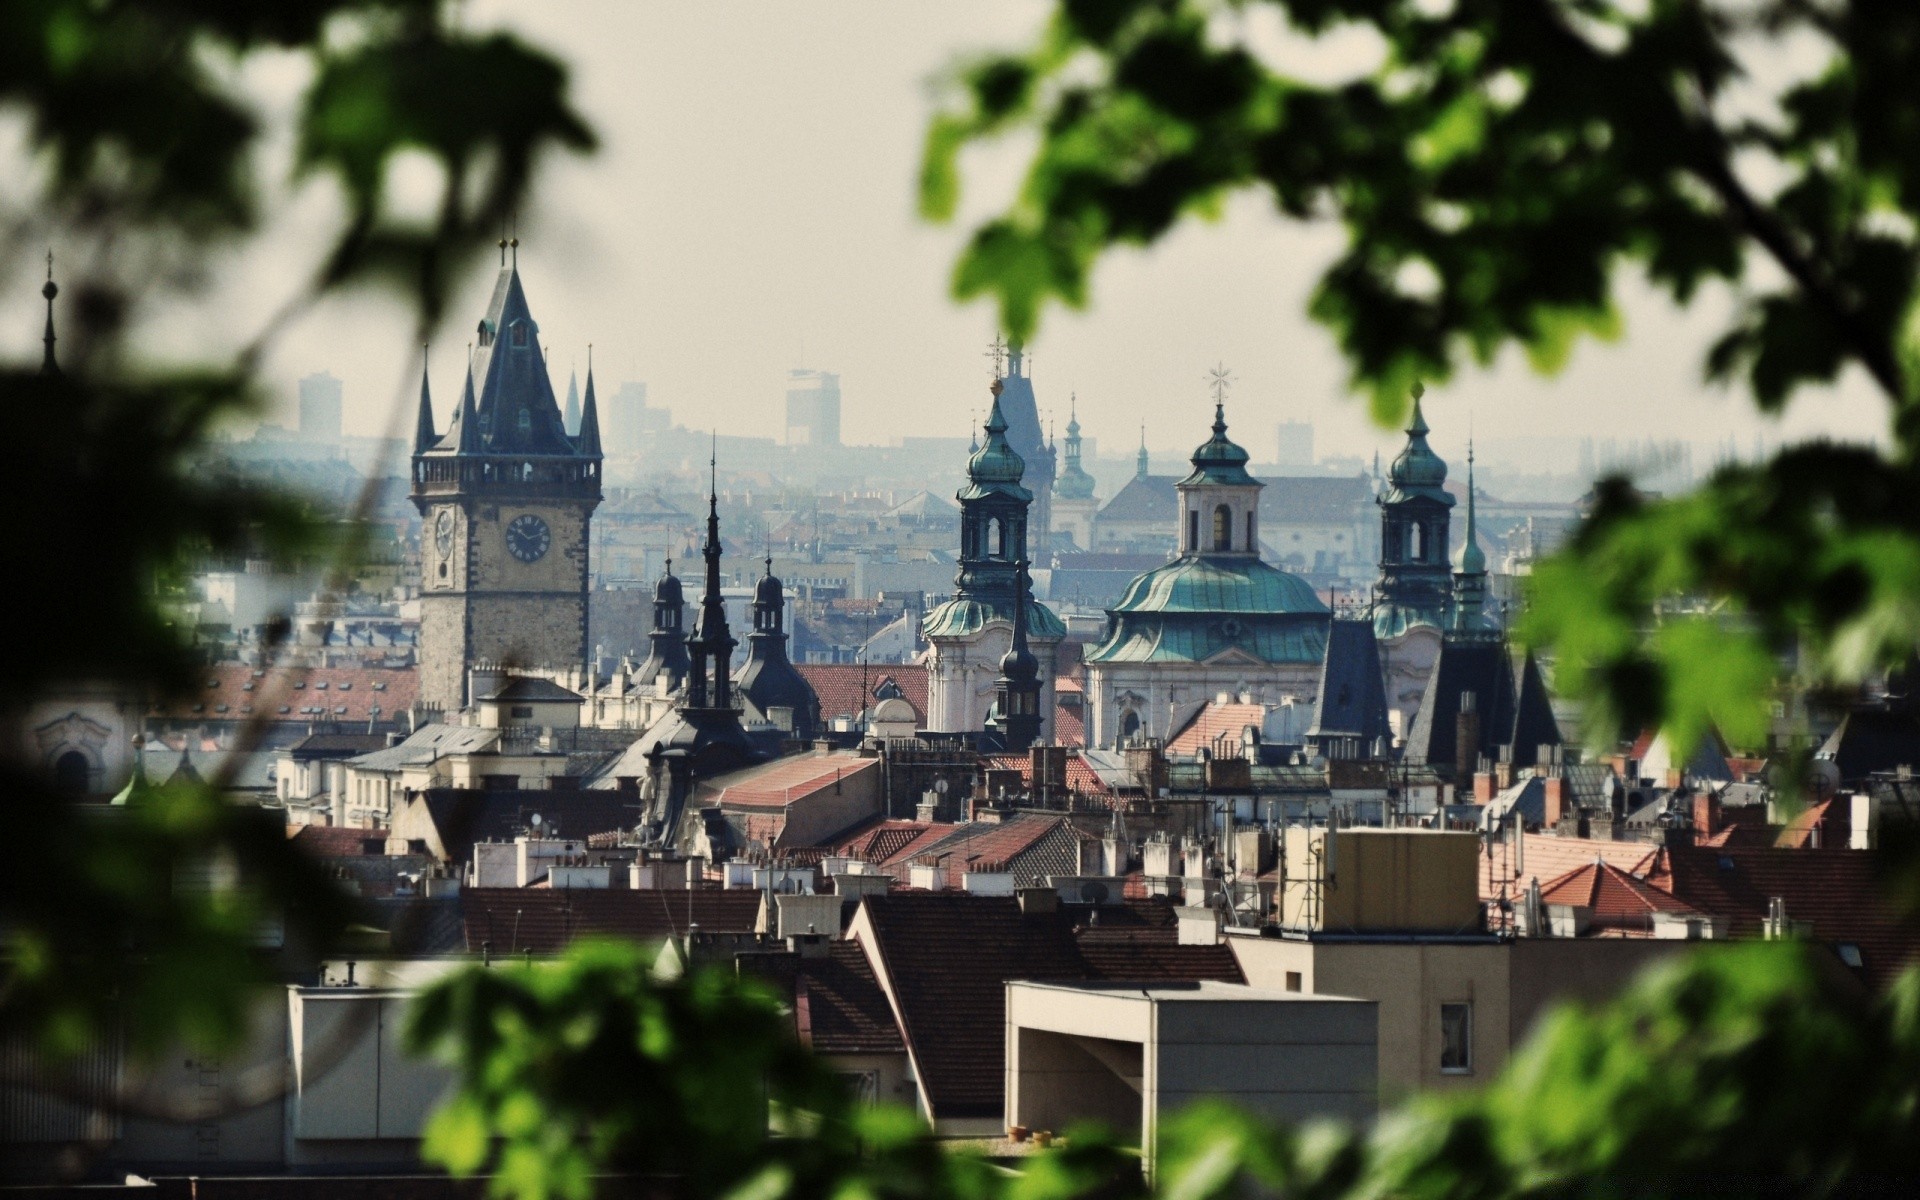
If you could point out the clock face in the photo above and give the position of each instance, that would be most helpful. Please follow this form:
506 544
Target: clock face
528 537
443 532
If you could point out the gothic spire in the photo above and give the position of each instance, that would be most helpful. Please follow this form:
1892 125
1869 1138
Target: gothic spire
48 364
589 422
1140 462
1473 560
423 434
571 417
469 419
711 637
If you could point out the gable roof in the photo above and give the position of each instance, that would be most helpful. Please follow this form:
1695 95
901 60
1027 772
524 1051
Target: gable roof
948 958
459 817
1352 702
523 687
1838 893
1213 722
784 780
1617 899
836 1002
848 689
344 695
545 921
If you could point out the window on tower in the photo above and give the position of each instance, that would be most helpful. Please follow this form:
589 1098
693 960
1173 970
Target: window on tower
1252 545
1193 529
1222 528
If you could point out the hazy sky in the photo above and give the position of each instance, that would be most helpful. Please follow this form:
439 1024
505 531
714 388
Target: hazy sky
752 209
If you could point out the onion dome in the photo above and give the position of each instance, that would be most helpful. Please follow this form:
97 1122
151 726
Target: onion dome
667 591
1418 467
1019 664
996 463
768 590
1218 459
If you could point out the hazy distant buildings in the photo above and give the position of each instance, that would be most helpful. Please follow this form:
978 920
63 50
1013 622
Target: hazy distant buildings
320 407
1294 444
630 422
813 408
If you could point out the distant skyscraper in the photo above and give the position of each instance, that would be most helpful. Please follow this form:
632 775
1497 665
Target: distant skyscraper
1295 444
630 422
320 407
813 408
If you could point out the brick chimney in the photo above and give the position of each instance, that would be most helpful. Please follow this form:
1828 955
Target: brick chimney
1706 814
1555 800
1466 739
1482 787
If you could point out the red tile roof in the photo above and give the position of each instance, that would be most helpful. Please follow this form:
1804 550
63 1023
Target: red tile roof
837 1004
1550 857
1081 778
846 689
949 957
1837 892
1617 899
542 921
337 841
1213 722
1068 728
785 780
345 694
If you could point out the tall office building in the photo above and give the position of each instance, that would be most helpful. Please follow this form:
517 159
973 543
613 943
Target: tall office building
320 407
1295 444
813 408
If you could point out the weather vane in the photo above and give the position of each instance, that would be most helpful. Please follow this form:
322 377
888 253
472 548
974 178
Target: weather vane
997 351
1219 380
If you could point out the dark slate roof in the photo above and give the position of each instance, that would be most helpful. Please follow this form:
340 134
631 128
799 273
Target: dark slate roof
837 1004
1869 741
1151 499
1840 892
949 957
418 926
544 921
510 372
521 687
1353 699
464 816
1477 667
337 841
1316 500
336 745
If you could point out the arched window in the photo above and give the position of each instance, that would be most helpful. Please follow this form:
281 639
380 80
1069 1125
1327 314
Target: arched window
1193 530
1129 724
1000 537
1416 542
73 774
1222 528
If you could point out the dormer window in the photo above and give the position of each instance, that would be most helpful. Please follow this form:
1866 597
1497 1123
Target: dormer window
519 333
526 418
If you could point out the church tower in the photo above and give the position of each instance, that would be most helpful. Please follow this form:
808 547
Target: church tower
1470 581
769 682
1073 503
667 641
973 631
1416 587
1021 411
505 497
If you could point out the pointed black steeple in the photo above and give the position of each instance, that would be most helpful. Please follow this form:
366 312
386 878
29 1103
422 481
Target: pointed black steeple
468 419
667 643
1016 715
711 645
588 441
769 680
424 437
518 411
48 364
1350 714
571 418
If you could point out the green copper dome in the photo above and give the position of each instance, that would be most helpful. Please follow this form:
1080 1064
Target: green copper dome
1195 608
996 466
962 617
1218 459
1418 470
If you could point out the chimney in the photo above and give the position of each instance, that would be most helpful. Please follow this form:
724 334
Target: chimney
1706 814
1038 901
1555 800
1482 787
1466 739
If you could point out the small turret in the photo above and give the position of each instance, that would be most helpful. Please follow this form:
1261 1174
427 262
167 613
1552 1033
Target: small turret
424 438
1140 460
588 424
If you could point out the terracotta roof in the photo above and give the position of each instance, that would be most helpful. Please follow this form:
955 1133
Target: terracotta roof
949 957
1030 845
781 782
881 841
337 841
1837 892
543 921
1617 899
1081 777
308 694
847 689
1068 729
837 1004
1799 833
1550 857
1211 722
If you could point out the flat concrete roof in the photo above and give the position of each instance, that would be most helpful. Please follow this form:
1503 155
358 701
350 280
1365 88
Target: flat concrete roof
1202 991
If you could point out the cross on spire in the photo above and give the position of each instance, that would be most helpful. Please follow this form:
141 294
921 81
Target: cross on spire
1219 380
997 351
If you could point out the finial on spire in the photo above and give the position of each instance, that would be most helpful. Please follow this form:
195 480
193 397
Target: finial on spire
997 351
48 364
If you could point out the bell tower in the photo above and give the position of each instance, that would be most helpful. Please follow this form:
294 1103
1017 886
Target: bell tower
505 496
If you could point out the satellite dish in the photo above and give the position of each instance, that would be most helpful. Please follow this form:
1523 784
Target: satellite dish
1093 892
534 820
1823 777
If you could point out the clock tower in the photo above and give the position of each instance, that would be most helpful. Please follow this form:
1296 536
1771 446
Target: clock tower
505 497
